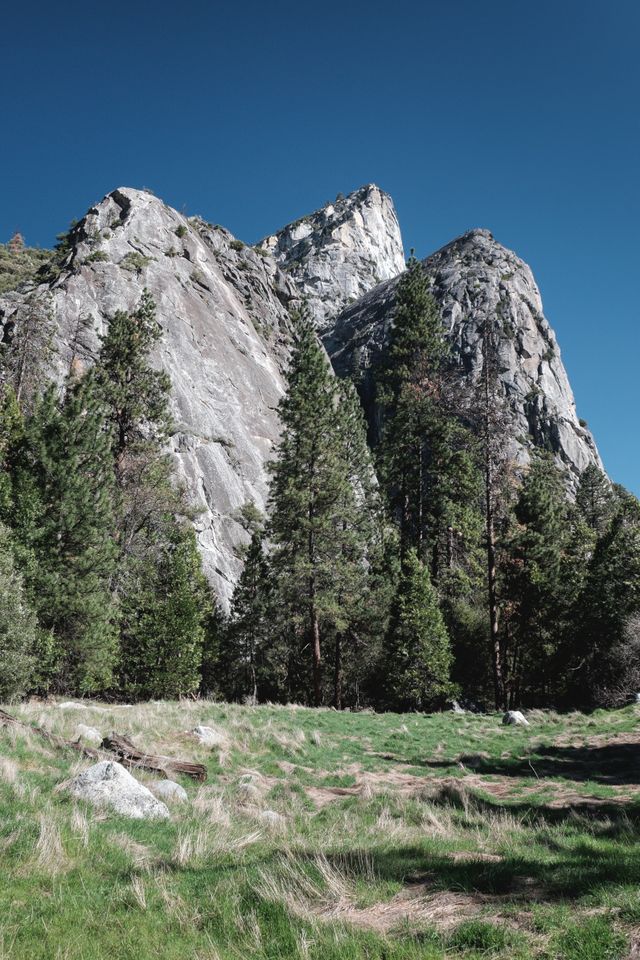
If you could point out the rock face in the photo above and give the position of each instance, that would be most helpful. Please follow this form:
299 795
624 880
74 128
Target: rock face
474 279
223 311
338 253
108 784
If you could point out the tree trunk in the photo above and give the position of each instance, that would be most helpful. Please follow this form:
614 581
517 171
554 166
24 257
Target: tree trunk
492 591
337 676
315 648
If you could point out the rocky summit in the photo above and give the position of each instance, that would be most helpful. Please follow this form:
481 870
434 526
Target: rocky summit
225 307
475 279
223 311
338 253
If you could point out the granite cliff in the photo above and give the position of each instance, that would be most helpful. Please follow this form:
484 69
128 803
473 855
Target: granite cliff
338 253
224 310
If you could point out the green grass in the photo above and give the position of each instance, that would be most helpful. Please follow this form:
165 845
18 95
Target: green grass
403 837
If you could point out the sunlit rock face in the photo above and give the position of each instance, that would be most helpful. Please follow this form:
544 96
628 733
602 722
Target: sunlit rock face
226 328
338 253
475 279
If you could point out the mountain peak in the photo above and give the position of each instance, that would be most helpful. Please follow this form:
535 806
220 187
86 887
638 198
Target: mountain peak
339 252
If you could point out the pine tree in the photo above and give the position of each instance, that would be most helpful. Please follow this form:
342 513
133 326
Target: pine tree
417 653
611 597
26 355
536 586
18 627
425 454
64 494
317 506
153 547
246 639
595 499
136 395
165 621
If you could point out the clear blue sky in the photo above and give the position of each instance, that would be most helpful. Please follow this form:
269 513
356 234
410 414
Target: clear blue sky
520 117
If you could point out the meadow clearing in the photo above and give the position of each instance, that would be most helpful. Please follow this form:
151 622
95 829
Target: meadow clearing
324 835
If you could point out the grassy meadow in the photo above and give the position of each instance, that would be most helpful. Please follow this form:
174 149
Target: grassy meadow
398 837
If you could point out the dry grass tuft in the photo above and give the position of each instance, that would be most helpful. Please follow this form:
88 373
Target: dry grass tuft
50 854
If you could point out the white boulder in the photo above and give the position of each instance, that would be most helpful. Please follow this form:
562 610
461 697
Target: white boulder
88 734
108 784
271 817
515 718
209 736
169 791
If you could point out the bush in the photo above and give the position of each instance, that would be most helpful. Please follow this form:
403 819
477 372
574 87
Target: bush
98 256
134 261
181 231
237 245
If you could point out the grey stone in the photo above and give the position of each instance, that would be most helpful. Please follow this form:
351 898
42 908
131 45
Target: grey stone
88 734
515 718
271 817
169 791
108 784
456 708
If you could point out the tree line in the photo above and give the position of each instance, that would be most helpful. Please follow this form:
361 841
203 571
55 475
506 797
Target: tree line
397 570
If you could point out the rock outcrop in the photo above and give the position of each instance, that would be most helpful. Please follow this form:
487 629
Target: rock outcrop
108 784
338 253
475 279
223 311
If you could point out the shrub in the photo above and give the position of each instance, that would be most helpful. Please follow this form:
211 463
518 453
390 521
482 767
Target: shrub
181 231
134 261
237 245
98 256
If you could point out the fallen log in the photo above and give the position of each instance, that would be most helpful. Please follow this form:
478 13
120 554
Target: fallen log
131 756
126 752
7 720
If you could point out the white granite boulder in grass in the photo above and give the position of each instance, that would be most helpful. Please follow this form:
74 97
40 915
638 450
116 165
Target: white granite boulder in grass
515 718
88 734
209 736
169 791
271 818
108 784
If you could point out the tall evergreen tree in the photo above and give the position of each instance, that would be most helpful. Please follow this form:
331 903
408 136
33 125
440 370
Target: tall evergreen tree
164 623
417 652
595 499
151 539
64 497
536 589
316 510
425 454
18 627
246 639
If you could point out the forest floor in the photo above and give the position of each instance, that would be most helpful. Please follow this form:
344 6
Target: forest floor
399 837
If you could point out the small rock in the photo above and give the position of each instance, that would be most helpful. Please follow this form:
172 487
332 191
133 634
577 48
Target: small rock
515 718
209 737
88 734
70 705
272 817
248 793
456 708
108 784
169 790
637 697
